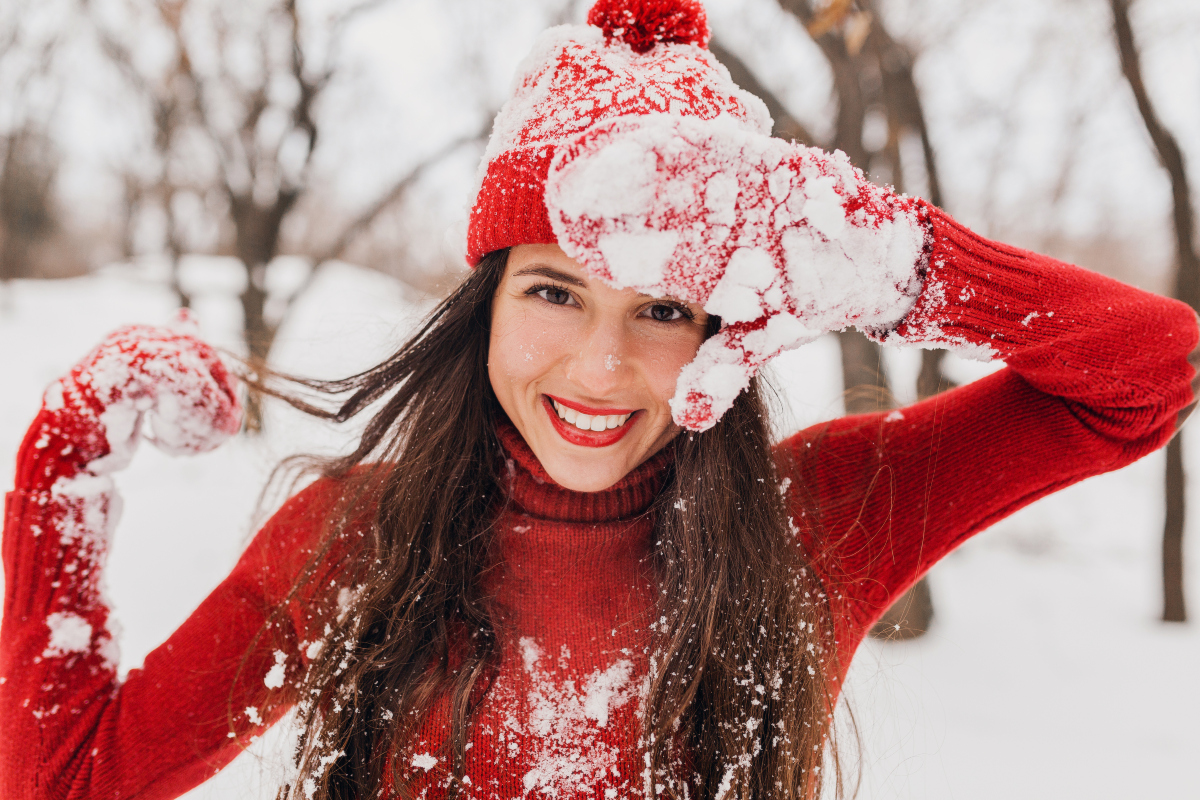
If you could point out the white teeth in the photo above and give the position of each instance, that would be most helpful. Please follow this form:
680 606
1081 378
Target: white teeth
588 422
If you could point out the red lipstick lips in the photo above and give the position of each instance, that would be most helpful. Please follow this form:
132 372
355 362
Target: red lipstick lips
581 437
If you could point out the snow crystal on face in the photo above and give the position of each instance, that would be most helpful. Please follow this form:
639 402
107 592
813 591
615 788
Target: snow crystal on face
69 633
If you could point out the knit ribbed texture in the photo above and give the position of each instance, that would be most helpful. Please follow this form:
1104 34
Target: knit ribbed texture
1089 388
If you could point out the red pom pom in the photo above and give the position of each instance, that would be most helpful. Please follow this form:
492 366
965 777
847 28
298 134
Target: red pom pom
641 24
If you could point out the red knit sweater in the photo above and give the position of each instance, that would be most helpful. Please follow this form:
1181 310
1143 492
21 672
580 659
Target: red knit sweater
1096 374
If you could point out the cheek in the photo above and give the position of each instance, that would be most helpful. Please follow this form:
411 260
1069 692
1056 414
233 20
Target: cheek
665 358
519 351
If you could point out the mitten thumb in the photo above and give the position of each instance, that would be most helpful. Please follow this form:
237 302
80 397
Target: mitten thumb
725 364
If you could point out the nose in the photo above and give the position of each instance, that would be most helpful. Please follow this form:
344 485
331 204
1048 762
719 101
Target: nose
598 367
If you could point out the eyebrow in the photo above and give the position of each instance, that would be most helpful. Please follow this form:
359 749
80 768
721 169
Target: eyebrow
558 275
552 273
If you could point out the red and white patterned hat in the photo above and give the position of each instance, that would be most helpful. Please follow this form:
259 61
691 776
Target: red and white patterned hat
634 58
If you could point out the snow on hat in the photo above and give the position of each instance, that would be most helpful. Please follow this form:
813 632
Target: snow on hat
635 58
628 145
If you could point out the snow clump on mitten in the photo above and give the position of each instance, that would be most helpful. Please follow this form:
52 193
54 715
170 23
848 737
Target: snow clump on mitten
175 382
783 242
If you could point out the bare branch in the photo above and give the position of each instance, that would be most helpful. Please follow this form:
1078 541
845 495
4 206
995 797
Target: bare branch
398 190
786 126
1187 287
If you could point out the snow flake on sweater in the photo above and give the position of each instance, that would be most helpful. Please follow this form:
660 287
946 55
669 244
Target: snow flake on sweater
555 725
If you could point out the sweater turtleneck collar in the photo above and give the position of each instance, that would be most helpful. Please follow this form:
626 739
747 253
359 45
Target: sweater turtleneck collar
534 493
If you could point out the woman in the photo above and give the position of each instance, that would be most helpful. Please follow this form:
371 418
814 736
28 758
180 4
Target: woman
565 560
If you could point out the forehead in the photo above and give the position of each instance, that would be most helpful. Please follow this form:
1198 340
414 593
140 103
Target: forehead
550 254
549 261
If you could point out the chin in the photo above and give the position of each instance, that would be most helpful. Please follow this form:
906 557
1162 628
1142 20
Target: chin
591 472
589 459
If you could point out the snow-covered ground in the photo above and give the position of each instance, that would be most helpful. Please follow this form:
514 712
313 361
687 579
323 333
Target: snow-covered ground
1046 674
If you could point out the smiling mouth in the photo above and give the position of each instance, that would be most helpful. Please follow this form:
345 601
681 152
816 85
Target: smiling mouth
576 426
589 422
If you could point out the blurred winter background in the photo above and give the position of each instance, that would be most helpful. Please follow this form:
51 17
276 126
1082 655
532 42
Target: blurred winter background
297 172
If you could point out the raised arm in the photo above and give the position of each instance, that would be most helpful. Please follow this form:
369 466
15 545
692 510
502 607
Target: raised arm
1097 377
68 727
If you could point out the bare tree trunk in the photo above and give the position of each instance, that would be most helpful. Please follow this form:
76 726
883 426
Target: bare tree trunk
908 617
931 379
257 233
1174 608
866 387
259 335
1187 289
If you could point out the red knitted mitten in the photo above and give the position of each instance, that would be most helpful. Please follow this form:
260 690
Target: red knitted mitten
783 242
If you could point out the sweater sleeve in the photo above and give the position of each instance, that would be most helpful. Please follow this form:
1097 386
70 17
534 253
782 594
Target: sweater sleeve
1097 374
70 728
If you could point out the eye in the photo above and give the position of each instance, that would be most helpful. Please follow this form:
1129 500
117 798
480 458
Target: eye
661 312
555 295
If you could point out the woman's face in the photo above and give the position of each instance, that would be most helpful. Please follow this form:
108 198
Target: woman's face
584 370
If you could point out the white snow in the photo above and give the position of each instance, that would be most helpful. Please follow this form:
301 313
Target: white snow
564 722
638 256
69 633
91 508
275 675
424 761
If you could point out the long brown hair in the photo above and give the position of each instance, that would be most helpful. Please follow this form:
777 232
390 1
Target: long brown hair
742 670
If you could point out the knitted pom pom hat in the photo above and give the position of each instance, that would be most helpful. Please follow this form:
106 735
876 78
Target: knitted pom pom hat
635 58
